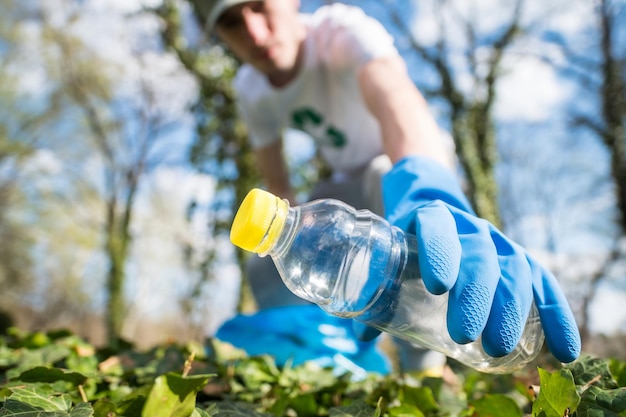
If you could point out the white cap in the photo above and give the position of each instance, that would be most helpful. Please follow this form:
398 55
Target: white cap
210 10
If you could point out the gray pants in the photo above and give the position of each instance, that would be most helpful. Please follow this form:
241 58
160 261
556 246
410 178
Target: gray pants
360 189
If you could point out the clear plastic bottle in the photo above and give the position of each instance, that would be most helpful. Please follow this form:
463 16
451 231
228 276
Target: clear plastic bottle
354 264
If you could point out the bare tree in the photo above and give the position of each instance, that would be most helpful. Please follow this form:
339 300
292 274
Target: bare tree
472 123
601 77
470 113
126 133
610 127
610 124
220 147
22 127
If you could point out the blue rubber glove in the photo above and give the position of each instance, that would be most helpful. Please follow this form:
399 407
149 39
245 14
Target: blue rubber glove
491 280
303 333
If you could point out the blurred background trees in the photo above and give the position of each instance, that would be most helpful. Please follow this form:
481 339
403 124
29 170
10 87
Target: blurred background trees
122 156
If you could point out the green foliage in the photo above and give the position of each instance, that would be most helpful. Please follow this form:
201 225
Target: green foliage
59 374
558 393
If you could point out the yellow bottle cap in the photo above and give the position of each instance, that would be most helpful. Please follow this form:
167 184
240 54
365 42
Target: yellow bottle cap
259 221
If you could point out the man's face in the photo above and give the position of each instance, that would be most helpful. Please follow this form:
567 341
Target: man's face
267 35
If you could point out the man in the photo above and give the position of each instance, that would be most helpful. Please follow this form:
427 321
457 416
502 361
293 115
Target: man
337 75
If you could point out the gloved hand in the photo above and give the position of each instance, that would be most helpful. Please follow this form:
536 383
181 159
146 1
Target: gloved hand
491 280
300 333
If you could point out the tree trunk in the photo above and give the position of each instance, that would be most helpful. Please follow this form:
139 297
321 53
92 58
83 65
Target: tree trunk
116 251
614 110
219 143
477 156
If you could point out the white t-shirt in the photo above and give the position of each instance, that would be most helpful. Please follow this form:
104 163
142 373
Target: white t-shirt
324 99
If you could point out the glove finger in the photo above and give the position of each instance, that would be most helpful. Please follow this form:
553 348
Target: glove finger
439 249
557 319
363 332
512 301
471 297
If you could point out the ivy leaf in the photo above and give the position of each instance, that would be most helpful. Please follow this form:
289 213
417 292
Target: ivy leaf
8 357
104 407
597 402
132 407
405 410
587 370
14 408
419 397
257 371
356 409
30 358
82 410
312 375
45 374
496 405
618 370
41 397
557 394
173 395
198 412
18 408
304 405
234 409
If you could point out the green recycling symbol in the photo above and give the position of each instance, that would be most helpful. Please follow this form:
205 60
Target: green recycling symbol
312 122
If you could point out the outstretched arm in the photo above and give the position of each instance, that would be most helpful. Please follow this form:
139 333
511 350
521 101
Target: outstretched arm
407 125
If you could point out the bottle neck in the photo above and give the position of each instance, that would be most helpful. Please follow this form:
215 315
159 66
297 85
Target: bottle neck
286 234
